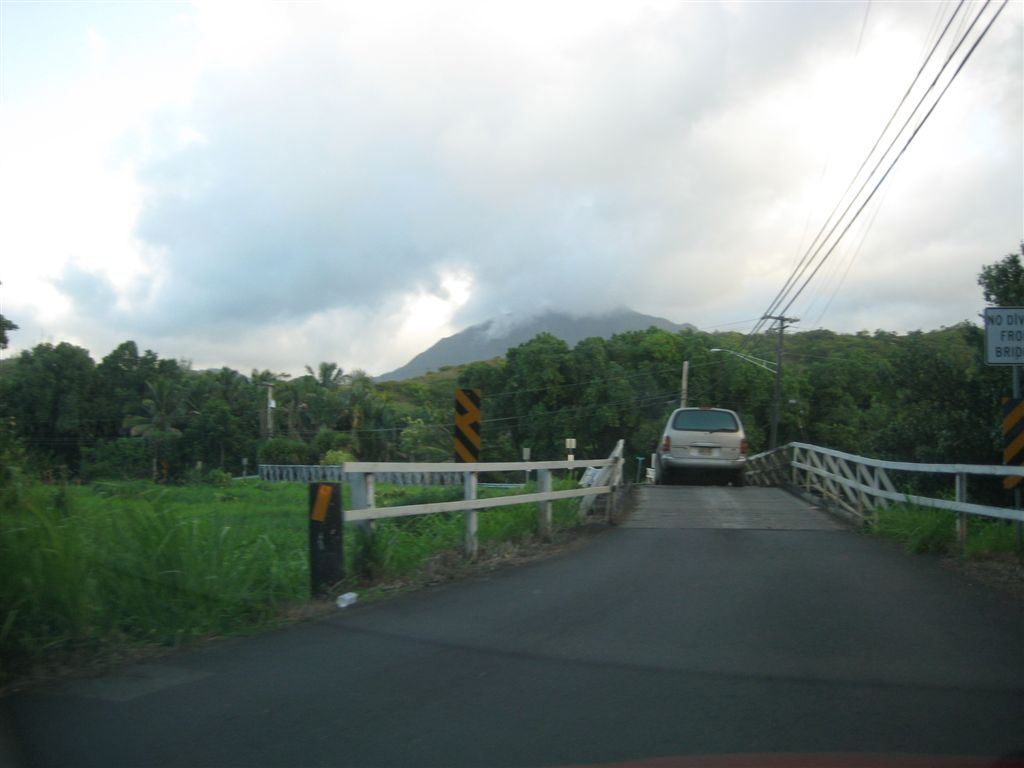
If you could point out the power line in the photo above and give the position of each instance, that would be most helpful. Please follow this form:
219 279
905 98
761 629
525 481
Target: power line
906 145
812 250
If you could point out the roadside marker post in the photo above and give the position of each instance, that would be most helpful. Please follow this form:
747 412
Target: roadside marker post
467 451
326 563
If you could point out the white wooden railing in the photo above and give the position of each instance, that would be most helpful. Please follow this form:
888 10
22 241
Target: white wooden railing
363 477
859 485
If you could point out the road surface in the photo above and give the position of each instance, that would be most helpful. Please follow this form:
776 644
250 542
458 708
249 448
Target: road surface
714 621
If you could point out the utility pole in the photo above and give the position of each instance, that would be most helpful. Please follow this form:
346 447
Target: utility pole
777 393
270 410
686 383
1018 529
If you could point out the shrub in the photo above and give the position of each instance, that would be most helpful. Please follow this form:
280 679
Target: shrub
329 440
122 459
282 450
337 457
218 478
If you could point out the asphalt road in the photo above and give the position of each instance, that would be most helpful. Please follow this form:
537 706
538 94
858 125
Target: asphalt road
653 640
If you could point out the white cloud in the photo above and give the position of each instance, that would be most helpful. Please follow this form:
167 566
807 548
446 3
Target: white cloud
279 183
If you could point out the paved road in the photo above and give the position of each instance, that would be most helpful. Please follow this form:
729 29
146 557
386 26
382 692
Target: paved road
647 642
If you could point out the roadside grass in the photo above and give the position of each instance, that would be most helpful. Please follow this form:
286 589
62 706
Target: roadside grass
926 530
97 571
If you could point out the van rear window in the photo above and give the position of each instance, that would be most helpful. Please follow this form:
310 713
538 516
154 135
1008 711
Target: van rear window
705 421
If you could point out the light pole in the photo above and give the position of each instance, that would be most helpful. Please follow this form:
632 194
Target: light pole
771 367
782 323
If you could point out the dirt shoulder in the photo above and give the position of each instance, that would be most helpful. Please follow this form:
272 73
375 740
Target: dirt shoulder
1004 572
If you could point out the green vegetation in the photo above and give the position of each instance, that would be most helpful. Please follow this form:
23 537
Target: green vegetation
924 530
916 397
89 570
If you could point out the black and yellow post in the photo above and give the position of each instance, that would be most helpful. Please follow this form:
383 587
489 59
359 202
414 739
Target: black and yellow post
467 425
1013 437
326 566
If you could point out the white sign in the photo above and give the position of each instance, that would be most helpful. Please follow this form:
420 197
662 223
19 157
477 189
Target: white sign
1004 335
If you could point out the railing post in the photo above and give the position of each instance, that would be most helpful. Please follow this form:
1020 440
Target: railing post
362 491
616 481
544 507
961 496
469 517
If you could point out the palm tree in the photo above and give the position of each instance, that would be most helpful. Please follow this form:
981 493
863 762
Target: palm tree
328 375
162 410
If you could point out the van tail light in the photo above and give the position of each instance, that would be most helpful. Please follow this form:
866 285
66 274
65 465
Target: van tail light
744 445
666 444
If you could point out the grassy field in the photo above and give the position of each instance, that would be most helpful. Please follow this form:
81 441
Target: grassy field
102 569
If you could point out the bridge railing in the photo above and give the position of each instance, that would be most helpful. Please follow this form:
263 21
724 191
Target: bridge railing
860 485
364 476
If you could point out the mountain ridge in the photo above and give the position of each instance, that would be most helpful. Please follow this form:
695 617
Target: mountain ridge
493 338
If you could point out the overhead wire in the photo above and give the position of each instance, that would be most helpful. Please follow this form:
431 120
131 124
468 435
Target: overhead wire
814 254
812 251
906 145
853 257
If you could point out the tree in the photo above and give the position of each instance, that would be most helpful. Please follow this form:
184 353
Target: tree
162 412
5 326
1003 282
328 375
49 391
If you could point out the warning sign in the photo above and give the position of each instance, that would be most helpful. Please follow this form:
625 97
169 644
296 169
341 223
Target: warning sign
1013 437
467 425
1004 335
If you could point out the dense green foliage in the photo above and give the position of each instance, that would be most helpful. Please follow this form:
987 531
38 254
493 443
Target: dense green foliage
5 326
1002 283
921 396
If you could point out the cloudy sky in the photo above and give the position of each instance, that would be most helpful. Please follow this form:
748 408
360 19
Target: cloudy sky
269 185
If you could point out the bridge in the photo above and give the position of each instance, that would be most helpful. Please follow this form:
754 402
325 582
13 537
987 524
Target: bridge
750 624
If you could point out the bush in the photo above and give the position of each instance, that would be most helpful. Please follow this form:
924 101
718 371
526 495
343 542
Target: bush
122 459
329 440
281 450
219 478
337 457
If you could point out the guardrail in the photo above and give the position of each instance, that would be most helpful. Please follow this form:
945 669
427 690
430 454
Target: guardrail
859 485
335 473
362 477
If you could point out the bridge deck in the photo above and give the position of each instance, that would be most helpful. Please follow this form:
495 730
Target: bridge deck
751 508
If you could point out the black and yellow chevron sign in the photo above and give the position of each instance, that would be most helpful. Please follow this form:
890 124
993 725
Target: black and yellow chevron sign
467 425
1013 437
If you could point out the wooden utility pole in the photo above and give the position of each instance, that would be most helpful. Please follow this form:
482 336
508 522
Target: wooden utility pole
686 383
782 322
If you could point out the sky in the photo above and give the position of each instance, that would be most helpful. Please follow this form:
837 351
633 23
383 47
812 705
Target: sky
268 185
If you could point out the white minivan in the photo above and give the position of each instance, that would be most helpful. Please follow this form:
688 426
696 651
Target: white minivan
702 441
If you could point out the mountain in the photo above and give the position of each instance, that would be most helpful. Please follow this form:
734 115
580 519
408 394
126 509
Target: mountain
494 337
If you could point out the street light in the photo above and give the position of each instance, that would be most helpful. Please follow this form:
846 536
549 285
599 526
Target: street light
771 367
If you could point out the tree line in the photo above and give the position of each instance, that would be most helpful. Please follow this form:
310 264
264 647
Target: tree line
921 396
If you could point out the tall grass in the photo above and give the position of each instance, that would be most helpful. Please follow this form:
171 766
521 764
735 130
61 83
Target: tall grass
87 570
922 529
117 564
